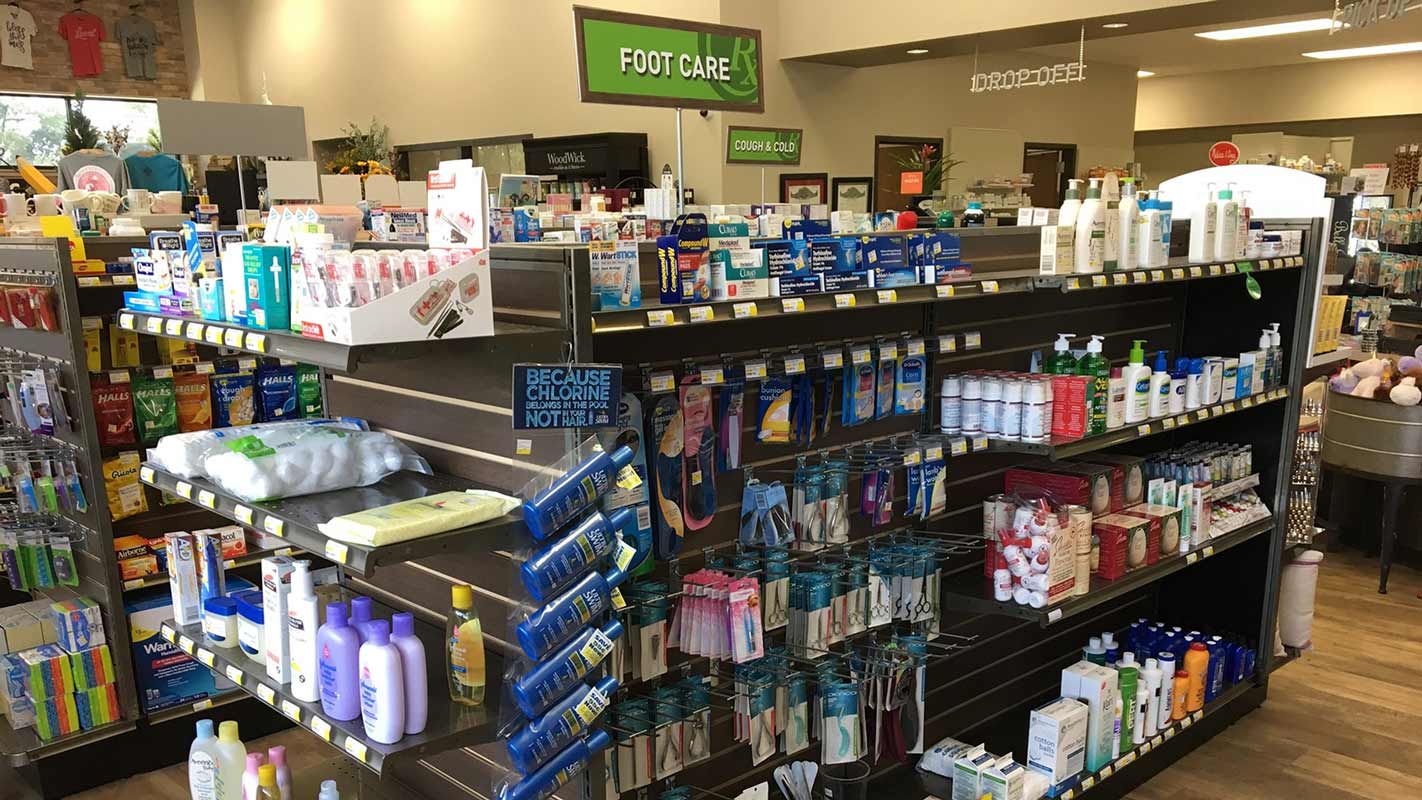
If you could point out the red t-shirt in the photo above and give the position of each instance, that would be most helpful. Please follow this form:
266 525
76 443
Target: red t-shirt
83 31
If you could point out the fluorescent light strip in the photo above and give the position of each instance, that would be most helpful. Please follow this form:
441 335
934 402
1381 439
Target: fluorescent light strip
1277 29
1144 73
1363 52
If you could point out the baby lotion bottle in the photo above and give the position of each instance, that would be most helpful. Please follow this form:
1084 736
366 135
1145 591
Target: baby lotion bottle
1137 377
360 615
1159 404
1202 229
412 667
231 759
303 618
464 656
338 665
276 756
1091 231
204 774
382 686
249 778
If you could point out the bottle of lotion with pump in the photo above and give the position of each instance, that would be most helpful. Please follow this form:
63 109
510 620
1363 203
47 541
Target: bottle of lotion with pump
1071 207
1128 226
1090 253
1227 224
1116 402
1137 378
303 618
1062 362
1159 387
1202 230
1148 240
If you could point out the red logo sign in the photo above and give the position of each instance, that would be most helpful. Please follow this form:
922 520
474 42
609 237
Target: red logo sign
911 183
1222 154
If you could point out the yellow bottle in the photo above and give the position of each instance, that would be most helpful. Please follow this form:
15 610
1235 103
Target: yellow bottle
267 788
465 649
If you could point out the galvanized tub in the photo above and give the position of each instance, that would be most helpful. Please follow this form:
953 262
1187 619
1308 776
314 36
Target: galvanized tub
1372 437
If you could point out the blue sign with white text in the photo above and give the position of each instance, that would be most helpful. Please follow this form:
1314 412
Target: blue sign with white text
550 396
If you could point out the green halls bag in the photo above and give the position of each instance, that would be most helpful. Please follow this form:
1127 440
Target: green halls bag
155 406
308 391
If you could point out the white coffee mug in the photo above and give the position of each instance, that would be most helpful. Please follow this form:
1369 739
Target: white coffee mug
168 202
46 205
137 201
75 197
16 205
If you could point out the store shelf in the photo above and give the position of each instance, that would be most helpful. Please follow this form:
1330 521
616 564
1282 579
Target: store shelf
100 281
1176 271
1061 447
247 560
449 725
970 591
296 519
183 710
664 316
1233 487
1100 777
21 747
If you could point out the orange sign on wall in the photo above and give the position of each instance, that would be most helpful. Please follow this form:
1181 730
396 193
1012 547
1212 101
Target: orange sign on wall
911 183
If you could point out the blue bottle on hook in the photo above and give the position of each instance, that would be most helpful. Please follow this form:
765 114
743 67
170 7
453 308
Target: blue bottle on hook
542 738
574 492
571 554
567 765
548 680
558 620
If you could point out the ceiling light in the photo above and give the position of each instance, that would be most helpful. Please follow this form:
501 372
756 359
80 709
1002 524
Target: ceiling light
917 51
1277 29
1144 73
1114 25
1360 52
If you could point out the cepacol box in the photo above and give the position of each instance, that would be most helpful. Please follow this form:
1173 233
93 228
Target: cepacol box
1124 544
1129 474
1165 524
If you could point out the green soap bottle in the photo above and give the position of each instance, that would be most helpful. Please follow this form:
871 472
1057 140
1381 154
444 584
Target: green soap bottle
1062 362
1095 366
1128 673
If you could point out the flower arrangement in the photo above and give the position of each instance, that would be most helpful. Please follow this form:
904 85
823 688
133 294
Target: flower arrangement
365 152
936 168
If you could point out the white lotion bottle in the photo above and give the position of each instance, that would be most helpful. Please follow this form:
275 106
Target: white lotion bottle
1226 225
1111 199
1116 399
1071 207
1090 253
1202 230
303 618
1159 404
1241 244
1148 237
1151 675
382 686
1137 378
1128 227
204 774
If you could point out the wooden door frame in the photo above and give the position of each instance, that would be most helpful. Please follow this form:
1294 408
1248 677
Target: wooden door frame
874 159
1068 155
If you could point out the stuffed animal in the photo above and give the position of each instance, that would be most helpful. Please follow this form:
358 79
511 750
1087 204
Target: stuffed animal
1406 393
1366 387
1344 382
1369 368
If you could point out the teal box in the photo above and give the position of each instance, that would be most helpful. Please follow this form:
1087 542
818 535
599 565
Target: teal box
267 271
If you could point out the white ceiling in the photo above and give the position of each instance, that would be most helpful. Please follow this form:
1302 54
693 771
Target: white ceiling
1180 52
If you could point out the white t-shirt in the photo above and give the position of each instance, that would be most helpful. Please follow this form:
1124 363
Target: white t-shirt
15 46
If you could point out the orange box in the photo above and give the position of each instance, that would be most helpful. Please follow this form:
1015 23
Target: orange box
135 559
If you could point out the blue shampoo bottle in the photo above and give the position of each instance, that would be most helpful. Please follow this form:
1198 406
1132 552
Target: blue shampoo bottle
569 556
542 738
548 680
558 620
564 767
574 492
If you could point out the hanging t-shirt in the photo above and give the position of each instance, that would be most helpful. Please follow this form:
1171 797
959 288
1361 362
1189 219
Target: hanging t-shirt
83 31
159 172
15 47
138 40
93 171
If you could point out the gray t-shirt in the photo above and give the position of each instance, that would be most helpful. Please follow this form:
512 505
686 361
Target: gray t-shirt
138 41
96 172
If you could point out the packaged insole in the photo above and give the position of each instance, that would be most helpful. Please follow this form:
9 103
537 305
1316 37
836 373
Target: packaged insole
773 414
859 394
276 391
886 372
909 385
233 402
699 455
194 401
665 425
155 408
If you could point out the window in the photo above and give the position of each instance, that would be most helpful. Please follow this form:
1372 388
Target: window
32 126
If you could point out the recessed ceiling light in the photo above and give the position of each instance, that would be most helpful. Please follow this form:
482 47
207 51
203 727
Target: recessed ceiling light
1144 73
917 51
1360 52
1277 29
1114 25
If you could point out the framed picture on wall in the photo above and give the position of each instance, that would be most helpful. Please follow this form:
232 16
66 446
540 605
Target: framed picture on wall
807 187
853 194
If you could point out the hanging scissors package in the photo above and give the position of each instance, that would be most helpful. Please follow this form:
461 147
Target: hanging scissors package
696 720
776 597
765 514
797 714
648 618
633 720
668 732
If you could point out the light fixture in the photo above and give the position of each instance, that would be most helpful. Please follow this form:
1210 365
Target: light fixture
1144 73
1361 52
1276 29
917 51
1115 25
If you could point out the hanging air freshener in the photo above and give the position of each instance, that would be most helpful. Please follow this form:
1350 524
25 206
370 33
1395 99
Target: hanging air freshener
665 424
699 487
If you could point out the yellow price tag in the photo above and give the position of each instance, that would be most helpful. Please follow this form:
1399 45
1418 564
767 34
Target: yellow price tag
173 327
972 340
213 334
1098 281
754 370
321 728
243 514
273 525
744 310
794 365
257 341
207 499
166 631
153 325
888 296
712 376
1157 275
336 551
266 694
184 490
1177 274
232 338
291 710
943 292
202 705
859 355
206 657
660 318
1196 272
832 359
702 314
1168 423
186 645
1138 277
126 321
1143 430
356 748
663 382
1214 270
1119 279
958 446
844 301
989 287
1191 558
1073 284
1208 551
792 305
89 281
145 474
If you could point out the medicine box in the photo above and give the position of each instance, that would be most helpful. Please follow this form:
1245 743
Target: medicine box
1096 687
739 274
78 624
135 558
276 590
166 676
266 270
1056 256
1056 743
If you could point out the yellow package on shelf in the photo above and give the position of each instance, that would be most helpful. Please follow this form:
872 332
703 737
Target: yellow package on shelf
411 519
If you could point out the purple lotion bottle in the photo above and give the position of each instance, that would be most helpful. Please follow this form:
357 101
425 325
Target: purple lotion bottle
360 615
412 667
338 665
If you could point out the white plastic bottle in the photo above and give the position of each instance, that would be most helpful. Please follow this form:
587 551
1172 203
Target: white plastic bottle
1090 253
1159 404
1128 227
1137 378
1116 729
412 664
1241 244
1161 256
231 760
204 772
1227 225
1151 677
1071 206
329 791
276 755
1111 199
1116 400
249 778
1276 350
1148 239
382 686
303 619
1202 230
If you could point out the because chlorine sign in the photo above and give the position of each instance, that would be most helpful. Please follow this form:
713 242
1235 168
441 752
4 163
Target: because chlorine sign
633 59
762 145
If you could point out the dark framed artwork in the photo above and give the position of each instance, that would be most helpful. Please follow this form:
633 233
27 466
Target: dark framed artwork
853 194
804 188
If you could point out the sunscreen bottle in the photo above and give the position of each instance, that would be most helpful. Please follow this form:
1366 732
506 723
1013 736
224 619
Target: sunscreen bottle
537 689
574 492
1197 666
562 768
570 555
549 627
542 738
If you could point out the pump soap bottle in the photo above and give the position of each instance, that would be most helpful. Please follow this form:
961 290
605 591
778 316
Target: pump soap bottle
1202 229
1128 227
1062 362
1090 253
1137 377
303 619
1095 366
1071 207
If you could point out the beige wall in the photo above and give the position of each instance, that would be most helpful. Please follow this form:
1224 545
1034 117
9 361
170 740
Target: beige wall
211 52
1364 87
437 71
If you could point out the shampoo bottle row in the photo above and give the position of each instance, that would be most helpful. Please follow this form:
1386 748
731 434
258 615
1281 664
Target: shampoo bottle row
220 768
373 669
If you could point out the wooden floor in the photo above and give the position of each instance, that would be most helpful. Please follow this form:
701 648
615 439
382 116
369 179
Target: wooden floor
1343 722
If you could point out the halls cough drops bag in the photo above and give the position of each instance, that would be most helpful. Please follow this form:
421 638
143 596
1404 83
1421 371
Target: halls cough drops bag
155 408
194 401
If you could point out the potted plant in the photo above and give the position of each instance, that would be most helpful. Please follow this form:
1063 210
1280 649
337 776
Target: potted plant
364 152
936 168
